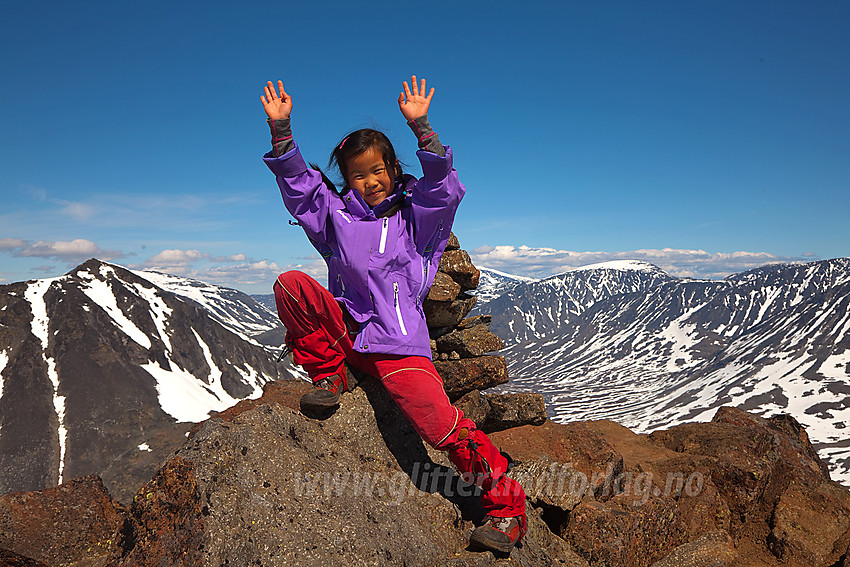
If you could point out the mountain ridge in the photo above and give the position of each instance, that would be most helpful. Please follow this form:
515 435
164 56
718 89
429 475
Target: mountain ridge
654 352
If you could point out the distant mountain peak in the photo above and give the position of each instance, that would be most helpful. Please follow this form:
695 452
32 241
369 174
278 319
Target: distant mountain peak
623 265
507 275
102 361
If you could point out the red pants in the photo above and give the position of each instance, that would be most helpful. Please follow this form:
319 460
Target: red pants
321 342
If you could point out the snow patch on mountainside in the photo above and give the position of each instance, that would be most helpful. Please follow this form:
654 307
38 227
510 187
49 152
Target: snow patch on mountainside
238 312
4 360
101 293
190 398
40 325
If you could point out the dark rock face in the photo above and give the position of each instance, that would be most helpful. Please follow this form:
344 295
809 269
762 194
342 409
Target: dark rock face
166 521
58 526
448 313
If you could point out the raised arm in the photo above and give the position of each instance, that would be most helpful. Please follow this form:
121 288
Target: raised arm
414 105
304 193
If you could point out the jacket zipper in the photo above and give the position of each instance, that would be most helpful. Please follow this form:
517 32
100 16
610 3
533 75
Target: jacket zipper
341 283
398 309
426 260
384 235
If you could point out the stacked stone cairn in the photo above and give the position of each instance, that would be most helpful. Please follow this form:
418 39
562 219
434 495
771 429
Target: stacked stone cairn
460 347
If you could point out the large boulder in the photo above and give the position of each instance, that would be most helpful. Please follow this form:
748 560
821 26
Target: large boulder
448 313
781 501
457 264
497 412
477 340
463 376
626 531
444 288
570 443
713 549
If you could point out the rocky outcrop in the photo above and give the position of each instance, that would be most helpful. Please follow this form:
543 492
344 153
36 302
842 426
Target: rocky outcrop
740 490
74 523
263 484
269 486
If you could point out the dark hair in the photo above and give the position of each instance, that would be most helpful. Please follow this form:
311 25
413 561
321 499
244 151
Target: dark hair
360 141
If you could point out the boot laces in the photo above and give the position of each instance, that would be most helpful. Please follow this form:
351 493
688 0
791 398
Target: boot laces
501 524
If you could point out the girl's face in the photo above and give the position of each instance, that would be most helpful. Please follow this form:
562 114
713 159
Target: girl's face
369 176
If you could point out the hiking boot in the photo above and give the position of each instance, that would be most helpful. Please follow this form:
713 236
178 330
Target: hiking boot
324 396
498 534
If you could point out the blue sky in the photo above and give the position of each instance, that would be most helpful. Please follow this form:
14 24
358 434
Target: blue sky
705 137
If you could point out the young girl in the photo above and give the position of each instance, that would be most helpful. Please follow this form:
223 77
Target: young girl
382 236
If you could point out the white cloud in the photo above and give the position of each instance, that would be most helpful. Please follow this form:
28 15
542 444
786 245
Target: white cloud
12 243
175 258
78 211
236 270
69 251
542 262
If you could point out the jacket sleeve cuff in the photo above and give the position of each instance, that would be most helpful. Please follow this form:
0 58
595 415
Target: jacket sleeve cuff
435 167
425 135
289 164
281 136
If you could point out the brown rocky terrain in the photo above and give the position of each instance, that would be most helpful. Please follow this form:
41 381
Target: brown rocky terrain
261 484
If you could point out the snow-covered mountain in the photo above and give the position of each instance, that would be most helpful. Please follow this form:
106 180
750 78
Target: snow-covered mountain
650 350
534 309
494 283
103 370
237 311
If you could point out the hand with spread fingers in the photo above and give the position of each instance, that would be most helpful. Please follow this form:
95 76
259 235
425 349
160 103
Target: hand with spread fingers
412 102
278 106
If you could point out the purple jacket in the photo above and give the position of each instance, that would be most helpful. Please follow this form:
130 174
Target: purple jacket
380 269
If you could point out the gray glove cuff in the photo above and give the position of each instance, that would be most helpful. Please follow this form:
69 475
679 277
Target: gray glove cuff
281 136
425 136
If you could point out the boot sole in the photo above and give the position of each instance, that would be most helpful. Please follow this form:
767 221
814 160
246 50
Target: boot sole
310 406
490 545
